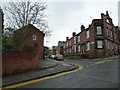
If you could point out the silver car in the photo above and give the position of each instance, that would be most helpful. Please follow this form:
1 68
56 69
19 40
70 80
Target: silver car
52 56
59 57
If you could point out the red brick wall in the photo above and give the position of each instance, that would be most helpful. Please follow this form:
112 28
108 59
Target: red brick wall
60 50
108 38
18 61
29 42
91 40
54 52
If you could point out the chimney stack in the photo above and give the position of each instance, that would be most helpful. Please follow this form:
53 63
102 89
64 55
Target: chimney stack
73 34
67 38
82 27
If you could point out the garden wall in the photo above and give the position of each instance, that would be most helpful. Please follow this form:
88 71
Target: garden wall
18 61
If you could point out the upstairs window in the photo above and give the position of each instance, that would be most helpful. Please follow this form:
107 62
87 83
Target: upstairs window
107 32
70 42
74 39
110 33
34 37
87 33
79 38
108 21
99 31
99 44
67 43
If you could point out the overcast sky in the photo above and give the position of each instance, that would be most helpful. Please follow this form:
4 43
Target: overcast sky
66 16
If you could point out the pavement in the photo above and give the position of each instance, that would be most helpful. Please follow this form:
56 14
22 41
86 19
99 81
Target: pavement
102 58
45 68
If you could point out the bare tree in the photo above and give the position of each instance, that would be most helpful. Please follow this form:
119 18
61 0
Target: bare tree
21 13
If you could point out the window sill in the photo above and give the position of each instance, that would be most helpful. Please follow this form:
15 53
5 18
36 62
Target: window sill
99 48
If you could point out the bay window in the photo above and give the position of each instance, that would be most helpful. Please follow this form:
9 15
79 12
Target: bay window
99 31
99 44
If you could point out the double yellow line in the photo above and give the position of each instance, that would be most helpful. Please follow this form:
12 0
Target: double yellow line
45 78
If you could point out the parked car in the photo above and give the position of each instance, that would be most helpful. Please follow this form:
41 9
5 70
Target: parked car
59 57
52 56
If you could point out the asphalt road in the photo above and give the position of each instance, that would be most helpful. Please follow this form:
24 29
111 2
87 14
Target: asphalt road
95 74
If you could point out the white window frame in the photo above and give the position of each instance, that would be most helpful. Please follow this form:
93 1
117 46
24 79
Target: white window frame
99 30
64 45
74 48
107 31
108 21
34 37
70 42
67 43
88 46
67 51
70 50
78 48
108 44
78 38
99 42
74 39
88 34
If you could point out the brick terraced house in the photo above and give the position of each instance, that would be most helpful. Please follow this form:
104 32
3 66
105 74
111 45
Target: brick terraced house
60 49
54 50
30 36
100 39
